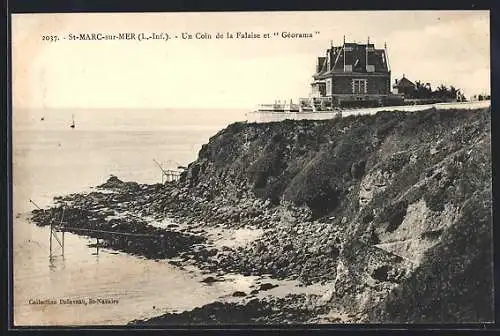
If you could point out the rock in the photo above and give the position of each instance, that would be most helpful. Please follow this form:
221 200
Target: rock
212 252
239 294
381 273
112 182
267 286
209 279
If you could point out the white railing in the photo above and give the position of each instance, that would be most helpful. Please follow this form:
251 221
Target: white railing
268 117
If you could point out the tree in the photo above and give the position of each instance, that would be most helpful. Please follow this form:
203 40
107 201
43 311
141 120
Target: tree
422 91
441 93
453 93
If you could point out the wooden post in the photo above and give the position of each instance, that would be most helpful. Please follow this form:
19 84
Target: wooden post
50 242
164 173
35 205
60 225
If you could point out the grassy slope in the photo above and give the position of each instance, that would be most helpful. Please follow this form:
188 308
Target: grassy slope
441 157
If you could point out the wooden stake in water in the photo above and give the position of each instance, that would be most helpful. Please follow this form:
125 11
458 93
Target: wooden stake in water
62 228
35 205
164 173
50 243
54 235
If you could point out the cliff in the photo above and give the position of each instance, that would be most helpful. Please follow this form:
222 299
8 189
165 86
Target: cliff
396 205
391 213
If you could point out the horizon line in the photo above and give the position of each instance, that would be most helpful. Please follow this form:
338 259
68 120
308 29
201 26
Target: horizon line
132 108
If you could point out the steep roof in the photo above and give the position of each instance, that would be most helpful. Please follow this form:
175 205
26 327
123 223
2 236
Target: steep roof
404 82
355 55
321 64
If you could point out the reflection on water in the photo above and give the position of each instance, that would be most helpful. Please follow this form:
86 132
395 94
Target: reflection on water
56 263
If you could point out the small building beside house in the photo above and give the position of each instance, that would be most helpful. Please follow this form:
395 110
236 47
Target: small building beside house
404 86
352 74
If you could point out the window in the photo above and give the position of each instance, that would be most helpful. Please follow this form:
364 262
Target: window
370 68
328 87
348 68
359 86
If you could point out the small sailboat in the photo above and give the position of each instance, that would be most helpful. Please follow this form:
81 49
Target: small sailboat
72 121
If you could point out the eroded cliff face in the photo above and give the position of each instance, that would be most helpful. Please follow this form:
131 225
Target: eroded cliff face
395 208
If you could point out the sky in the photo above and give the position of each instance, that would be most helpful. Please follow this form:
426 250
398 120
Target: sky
439 47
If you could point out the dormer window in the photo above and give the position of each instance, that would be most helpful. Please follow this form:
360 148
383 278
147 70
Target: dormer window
329 87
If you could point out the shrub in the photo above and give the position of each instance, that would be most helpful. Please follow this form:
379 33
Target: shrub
396 215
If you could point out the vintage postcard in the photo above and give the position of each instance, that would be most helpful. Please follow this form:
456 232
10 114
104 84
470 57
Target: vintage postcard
257 168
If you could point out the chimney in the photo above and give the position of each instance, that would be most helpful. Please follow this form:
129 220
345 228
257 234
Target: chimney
344 52
367 44
320 64
328 59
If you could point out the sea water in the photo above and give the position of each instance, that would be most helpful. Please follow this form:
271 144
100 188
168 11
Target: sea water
51 159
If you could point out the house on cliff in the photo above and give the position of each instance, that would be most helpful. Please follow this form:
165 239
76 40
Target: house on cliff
352 74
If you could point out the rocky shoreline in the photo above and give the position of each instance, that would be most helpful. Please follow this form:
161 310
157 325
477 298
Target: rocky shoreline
292 309
186 240
364 205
